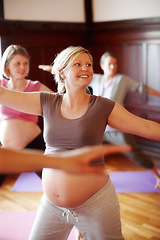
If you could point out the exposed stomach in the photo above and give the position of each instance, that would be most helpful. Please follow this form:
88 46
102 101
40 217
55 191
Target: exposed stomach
17 134
70 190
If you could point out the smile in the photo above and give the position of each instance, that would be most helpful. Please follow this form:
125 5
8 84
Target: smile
84 76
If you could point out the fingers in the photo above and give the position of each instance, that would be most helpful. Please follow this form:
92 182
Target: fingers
111 149
83 168
95 170
101 150
98 151
42 67
47 68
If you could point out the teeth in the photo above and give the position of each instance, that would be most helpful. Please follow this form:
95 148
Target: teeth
84 76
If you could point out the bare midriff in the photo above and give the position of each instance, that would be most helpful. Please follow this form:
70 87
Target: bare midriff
17 134
70 190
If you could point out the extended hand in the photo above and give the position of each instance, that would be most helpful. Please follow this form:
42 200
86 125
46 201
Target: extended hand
47 68
79 160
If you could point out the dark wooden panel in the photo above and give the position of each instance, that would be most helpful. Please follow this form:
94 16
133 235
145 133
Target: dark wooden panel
137 47
43 42
135 42
153 65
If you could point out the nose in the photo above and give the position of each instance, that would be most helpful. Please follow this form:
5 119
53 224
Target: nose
112 66
21 66
84 68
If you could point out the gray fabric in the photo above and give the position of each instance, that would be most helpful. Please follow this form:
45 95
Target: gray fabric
62 134
122 84
98 218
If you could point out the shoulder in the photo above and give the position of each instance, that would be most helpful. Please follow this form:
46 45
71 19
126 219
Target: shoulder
33 85
96 79
3 82
49 97
102 105
50 102
97 76
122 78
103 101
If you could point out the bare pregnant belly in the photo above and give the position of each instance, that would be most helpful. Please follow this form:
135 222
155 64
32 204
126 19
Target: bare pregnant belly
69 190
17 134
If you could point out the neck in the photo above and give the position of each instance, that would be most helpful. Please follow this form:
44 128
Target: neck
109 78
16 84
75 98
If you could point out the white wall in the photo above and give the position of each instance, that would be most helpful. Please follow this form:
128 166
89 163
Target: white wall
45 10
73 10
111 10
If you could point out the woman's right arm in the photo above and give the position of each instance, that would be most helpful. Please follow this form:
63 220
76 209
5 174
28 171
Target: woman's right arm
25 102
74 161
124 121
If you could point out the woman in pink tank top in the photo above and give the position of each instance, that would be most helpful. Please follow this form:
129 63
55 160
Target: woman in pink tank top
18 130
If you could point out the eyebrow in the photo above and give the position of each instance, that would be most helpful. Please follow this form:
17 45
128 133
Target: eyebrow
88 61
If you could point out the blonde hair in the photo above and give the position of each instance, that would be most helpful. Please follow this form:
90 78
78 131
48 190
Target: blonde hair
63 59
8 54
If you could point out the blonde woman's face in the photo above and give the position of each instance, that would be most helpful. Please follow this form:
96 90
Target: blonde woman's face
79 72
18 67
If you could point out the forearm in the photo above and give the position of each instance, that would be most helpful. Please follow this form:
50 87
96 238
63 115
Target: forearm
11 98
28 102
124 121
153 92
75 161
12 161
153 130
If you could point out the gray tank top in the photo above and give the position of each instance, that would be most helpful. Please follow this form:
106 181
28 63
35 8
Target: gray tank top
61 134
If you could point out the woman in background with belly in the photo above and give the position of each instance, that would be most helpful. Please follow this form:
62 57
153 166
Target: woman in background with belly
19 130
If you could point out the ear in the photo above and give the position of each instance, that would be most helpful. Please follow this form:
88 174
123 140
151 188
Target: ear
61 73
6 66
101 66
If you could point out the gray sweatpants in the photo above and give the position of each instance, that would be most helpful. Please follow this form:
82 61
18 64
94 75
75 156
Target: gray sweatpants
97 219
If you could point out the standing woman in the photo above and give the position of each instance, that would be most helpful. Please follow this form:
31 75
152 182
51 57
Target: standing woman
73 119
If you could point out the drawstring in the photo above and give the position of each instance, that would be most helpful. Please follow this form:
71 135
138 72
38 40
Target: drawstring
71 212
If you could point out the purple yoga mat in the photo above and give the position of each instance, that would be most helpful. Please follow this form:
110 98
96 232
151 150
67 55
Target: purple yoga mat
17 225
124 182
134 181
28 182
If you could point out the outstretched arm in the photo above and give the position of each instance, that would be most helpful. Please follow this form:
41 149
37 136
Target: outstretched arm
153 92
125 121
25 102
74 161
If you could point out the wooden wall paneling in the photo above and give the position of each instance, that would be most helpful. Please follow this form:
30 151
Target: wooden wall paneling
43 42
39 56
132 61
136 44
133 66
151 71
137 48
97 52
153 65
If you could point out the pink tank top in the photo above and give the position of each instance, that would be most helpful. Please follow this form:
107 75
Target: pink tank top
9 113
